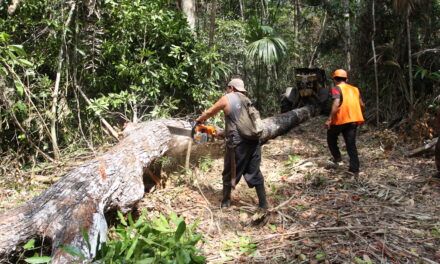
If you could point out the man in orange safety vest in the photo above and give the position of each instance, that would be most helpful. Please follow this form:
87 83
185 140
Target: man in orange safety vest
345 116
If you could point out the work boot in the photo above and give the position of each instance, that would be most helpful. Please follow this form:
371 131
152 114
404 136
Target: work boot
226 201
261 193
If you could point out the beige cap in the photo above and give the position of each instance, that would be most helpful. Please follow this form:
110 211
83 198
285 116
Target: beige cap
238 84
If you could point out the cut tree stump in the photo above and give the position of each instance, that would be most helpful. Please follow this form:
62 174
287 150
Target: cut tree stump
113 181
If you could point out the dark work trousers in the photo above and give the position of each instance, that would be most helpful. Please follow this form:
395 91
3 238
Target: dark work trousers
349 132
248 160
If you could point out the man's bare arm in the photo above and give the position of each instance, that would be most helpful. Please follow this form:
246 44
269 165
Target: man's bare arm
213 110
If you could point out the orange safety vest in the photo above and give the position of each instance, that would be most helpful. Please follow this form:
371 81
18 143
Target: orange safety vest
350 110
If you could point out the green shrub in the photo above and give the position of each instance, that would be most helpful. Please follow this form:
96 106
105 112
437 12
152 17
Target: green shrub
162 240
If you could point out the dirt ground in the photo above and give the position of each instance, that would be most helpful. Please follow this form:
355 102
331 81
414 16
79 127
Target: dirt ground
319 213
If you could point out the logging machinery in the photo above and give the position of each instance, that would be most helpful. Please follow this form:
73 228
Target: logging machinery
310 88
200 133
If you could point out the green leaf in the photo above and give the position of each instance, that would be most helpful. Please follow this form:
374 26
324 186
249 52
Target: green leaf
131 250
30 244
38 260
198 259
195 239
86 238
146 261
180 231
122 219
18 49
320 256
24 62
183 257
140 220
73 251
4 37
272 227
130 220
19 87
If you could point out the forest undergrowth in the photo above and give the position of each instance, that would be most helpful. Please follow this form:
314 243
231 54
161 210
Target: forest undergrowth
319 213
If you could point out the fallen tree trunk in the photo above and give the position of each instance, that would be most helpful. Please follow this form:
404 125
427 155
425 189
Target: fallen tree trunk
423 149
113 181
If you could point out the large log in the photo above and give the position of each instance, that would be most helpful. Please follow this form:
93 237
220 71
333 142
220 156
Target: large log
113 181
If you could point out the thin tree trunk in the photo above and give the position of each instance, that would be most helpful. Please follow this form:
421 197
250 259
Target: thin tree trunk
324 21
189 9
296 28
28 94
212 31
17 122
373 46
113 181
348 34
410 76
241 9
212 23
106 124
53 124
13 7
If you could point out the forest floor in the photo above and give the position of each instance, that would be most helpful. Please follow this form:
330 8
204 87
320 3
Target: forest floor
390 213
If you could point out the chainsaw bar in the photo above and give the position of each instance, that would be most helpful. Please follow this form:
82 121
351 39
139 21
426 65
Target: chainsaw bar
180 131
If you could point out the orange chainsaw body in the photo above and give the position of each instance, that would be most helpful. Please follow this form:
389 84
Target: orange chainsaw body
203 133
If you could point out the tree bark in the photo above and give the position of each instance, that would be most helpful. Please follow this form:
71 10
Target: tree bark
53 130
113 181
348 40
410 74
13 7
189 9
373 46
212 23
321 32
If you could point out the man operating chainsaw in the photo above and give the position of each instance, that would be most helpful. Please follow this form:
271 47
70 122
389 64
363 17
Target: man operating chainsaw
242 156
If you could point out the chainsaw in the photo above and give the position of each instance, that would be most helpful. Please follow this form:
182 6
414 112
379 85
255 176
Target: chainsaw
200 133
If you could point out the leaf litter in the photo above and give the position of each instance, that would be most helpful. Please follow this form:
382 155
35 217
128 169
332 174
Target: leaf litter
319 213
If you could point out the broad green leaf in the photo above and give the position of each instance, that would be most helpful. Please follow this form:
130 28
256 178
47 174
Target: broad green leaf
146 261
18 49
183 257
320 256
180 231
35 260
73 251
19 87
30 244
4 37
24 62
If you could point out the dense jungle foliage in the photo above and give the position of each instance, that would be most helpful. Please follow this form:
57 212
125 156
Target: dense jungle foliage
68 67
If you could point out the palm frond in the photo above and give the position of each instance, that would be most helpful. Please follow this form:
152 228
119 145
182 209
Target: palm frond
268 50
